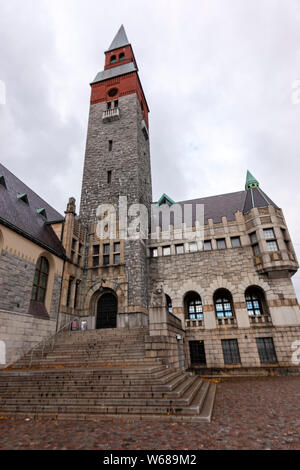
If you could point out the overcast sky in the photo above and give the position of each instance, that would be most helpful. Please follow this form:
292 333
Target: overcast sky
218 76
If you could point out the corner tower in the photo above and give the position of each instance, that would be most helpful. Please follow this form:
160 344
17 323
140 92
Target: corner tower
117 164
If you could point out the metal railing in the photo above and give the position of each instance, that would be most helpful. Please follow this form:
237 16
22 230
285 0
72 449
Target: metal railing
51 339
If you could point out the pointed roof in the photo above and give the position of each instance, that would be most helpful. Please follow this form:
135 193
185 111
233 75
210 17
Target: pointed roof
255 197
165 199
120 40
251 182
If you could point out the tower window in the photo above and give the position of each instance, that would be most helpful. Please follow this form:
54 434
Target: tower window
113 59
109 177
122 56
110 145
112 92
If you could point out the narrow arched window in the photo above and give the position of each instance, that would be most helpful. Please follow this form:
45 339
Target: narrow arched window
255 301
193 306
122 56
40 280
223 303
113 59
169 303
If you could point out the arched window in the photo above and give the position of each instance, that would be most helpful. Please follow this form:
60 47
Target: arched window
223 304
169 303
193 306
122 56
255 301
40 280
113 59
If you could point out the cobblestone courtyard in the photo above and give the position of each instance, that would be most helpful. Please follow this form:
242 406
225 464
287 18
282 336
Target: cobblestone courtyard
256 413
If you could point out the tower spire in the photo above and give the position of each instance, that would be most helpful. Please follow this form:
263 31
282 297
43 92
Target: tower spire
251 182
120 40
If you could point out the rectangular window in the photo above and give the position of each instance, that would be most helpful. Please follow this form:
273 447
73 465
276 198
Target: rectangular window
116 103
253 237
221 243
70 283
110 144
193 247
272 245
255 248
153 252
179 249
117 253
95 250
207 245
269 233
166 250
235 242
231 351
106 251
266 350
109 177
95 261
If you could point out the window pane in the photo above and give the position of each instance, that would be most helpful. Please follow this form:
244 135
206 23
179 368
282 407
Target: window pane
106 249
117 247
253 237
153 252
207 245
266 350
235 242
272 246
41 295
166 250
231 351
106 259
117 259
95 249
269 233
179 249
221 243
256 249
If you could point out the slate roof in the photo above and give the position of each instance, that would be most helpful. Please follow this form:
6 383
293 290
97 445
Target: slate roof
115 72
225 205
120 40
24 218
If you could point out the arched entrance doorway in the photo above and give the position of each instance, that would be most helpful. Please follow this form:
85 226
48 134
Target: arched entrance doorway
107 309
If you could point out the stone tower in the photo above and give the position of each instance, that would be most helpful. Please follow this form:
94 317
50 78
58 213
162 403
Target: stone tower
117 164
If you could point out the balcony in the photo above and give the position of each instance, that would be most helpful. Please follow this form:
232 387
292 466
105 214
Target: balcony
111 115
195 323
260 320
226 321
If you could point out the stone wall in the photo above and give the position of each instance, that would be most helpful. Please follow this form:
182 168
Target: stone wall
20 332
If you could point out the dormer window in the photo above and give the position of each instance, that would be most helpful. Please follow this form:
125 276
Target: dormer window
42 212
23 197
2 181
113 59
122 56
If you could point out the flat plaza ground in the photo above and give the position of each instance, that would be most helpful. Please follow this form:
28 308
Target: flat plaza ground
260 413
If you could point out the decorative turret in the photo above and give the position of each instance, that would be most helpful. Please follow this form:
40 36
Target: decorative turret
255 197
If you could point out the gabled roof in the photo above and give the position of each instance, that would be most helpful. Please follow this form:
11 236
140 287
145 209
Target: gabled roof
24 218
120 40
165 199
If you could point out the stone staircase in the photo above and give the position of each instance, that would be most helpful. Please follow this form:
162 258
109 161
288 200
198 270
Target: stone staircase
99 374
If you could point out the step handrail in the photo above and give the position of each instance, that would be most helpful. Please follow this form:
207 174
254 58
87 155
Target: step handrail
51 338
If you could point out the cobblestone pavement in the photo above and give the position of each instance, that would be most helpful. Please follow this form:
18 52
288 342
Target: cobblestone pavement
256 413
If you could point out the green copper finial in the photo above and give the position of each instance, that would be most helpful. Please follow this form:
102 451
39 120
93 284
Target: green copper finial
251 182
